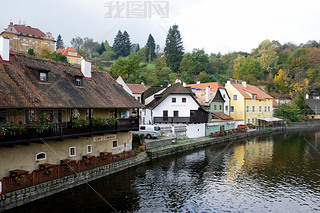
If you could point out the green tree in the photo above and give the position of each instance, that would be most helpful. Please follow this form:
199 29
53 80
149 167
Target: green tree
126 44
174 48
31 51
102 48
59 57
195 62
251 70
126 67
118 44
150 49
236 66
59 43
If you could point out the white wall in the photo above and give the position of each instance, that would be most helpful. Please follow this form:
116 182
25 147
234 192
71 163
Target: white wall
124 85
227 101
183 108
196 130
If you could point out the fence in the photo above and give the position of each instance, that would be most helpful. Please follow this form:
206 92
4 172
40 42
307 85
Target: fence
65 168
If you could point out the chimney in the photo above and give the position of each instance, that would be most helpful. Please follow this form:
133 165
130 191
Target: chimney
4 48
244 83
208 94
86 68
198 82
228 82
184 84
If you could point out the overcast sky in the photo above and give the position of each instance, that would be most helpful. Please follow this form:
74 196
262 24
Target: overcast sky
215 25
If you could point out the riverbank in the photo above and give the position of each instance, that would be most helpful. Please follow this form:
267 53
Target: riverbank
157 149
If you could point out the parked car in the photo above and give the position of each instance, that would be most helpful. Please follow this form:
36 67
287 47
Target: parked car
149 131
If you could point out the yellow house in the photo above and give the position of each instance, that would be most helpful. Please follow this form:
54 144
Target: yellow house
71 54
250 104
22 38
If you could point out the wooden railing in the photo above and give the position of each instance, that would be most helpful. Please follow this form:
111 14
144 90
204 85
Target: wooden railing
65 168
64 130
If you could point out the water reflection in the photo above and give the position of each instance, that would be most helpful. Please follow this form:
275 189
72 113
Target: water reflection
279 173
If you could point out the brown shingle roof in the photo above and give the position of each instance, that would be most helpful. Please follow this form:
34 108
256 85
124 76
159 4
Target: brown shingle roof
137 88
29 30
253 90
222 116
176 88
20 87
213 85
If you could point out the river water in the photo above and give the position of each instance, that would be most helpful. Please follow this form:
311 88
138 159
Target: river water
277 173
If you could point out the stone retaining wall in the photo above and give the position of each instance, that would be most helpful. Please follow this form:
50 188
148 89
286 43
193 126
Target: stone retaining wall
29 194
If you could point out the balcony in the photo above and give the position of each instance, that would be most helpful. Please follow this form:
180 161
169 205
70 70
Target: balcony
66 130
196 116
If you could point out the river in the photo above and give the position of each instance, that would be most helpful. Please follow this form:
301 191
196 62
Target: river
277 173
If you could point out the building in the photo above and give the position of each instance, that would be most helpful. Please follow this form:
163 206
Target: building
22 38
176 105
250 104
213 102
71 54
52 111
135 90
215 86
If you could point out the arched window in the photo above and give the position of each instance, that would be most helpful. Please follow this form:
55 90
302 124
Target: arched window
41 156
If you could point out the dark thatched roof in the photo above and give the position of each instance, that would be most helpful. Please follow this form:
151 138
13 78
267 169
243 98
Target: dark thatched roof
20 86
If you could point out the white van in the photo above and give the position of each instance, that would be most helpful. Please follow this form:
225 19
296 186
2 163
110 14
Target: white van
149 131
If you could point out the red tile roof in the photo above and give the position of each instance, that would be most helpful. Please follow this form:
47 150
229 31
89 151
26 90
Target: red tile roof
137 88
213 85
200 96
67 50
29 30
260 95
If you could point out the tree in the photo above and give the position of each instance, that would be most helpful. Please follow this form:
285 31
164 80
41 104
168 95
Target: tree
118 45
135 47
90 46
77 43
126 44
195 62
126 67
30 51
150 49
102 48
236 66
174 48
59 43
251 70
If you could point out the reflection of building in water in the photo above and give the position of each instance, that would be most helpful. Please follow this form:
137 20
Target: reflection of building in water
255 153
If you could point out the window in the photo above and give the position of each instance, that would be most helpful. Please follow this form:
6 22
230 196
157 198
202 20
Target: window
10 37
27 41
27 49
68 60
78 81
39 43
139 99
253 97
265 109
268 108
175 113
10 47
114 144
33 42
231 108
77 61
72 53
72 151
142 127
214 107
43 76
260 108
226 108
247 108
21 40
89 149
184 100
89 113
174 100
48 44
248 120
252 108
30 115
165 113
224 96
41 156
21 48
220 107
253 120
235 97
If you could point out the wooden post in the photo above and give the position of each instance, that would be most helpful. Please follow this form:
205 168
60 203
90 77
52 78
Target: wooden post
59 171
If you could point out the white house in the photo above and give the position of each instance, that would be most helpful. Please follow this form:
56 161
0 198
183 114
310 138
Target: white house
175 105
135 90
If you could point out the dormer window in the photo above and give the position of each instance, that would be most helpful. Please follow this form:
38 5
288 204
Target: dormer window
43 76
78 81
253 97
